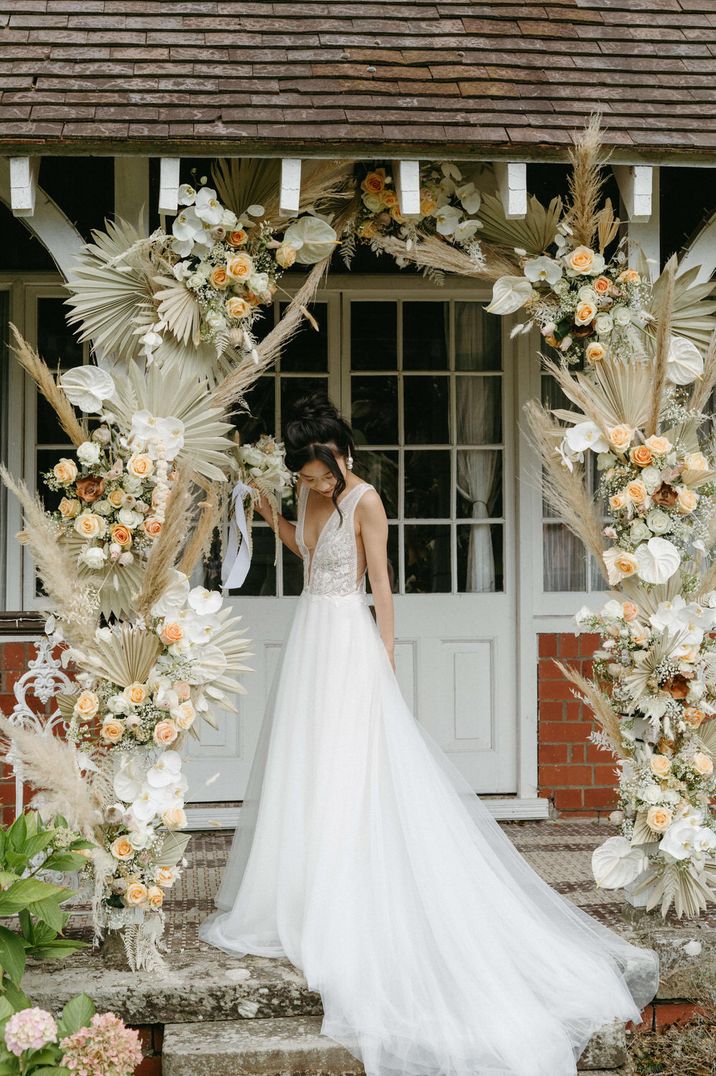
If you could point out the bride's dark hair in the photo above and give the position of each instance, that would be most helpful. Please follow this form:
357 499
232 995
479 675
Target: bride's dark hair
313 426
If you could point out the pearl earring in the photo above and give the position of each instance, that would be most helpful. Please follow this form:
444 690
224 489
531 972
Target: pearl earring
349 462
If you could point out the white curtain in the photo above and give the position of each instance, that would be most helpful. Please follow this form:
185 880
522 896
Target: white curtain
477 471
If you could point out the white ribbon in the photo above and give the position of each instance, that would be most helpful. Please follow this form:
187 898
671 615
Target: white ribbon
237 560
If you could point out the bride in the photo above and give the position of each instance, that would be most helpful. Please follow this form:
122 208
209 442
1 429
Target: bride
363 855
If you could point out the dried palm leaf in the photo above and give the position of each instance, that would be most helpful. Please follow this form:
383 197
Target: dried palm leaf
600 705
206 444
159 570
51 765
662 342
607 226
693 307
707 736
586 182
666 885
126 658
112 293
565 490
646 663
702 389
202 361
648 601
114 585
55 395
179 309
241 182
535 233
74 604
610 394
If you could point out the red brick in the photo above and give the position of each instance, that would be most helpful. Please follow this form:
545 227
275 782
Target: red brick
547 670
149 1066
553 753
593 753
567 798
565 776
551 710
600 797
605 775
577 711
554 689
14 656
588 643
674 1012
564 732
647 1020
568 646
547 646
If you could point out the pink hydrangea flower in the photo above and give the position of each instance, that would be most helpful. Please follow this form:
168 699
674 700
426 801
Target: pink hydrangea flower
29 1029
105 1048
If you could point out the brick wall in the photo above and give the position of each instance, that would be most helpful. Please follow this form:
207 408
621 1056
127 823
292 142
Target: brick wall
574 773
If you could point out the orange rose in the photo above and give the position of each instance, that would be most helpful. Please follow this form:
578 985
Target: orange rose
641 456
693 716
584 313
219 277
617 501
629 276
239 267
121 535
171 633
602 285
236 307
374 182
136 693
636 492
237 238
152 527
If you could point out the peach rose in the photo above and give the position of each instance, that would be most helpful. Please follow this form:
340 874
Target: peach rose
686 500
165 876
152 527
374 182
641 456
236 307
116 497
582 260
237 238
629 611
112 730
629 276
636 492
594 352
602 285
121 535
136 693
239 267
427 203
89 525
693 716
122 848
285 255
659 445
182 689
140 465
165 733
660 765
219 277
155 896
620 437
584 313
658 818
87 705
171 633
703 764
174 818
185 715
696 461
65 471
69 508
89 489
136 893
617 501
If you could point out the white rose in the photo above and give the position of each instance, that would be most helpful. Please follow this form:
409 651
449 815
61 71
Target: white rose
604 324
93 558
88 453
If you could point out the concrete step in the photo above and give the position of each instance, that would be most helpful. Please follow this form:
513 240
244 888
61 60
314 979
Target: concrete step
293 1046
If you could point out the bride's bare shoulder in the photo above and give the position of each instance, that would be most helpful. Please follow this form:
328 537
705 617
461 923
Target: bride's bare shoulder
370 506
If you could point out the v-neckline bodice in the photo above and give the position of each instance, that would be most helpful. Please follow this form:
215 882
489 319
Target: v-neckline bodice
329 517
310 554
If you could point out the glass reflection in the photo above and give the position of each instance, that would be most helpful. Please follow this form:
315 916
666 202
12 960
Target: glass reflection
374 336
426 410
427 559
480 558
374 410
427 484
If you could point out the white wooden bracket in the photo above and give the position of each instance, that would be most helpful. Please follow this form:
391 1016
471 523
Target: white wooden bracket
636 183
512 187
406 176
290 198
169 184
23 185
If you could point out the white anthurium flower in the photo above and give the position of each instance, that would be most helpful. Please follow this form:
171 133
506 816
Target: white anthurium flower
509 293
684 363
586 435
447 219
657 560
312 237
543 269
470 197
186 225
466 230
87 387
615 863
186 194
129 777
208 208
165 771
205 601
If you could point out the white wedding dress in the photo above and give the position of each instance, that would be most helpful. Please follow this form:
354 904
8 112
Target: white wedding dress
364 857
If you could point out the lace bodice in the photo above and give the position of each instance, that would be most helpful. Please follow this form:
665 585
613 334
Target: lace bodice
332 568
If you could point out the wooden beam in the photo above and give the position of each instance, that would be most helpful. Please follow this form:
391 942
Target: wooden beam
290 197
512 188
645 236
406 176
23 185
169 184
636 184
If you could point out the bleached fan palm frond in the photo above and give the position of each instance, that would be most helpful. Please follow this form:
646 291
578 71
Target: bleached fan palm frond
241 182
534 234
51 765
179 308
586 182
55 395
206 443
610 394
432 252
600 705
111 290
114 585
693 306
646 600
124 658
646 663
198 362
703 388
662 342
221 662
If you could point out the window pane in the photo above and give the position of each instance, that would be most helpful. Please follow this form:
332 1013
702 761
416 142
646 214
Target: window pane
56 342
427 485
261 579
293 388
381 470
479 483
374 410
46 460
49 431
426 410
425 336
262 418
427 559
564 559
479 410
477 338
308 349
374 336
480 558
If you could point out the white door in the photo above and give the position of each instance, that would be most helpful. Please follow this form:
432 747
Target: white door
425 379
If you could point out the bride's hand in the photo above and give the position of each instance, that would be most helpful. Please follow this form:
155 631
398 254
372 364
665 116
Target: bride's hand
262 506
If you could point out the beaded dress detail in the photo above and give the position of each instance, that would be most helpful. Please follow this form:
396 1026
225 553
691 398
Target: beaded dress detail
333 567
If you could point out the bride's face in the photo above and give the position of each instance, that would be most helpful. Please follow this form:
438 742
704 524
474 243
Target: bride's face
318 476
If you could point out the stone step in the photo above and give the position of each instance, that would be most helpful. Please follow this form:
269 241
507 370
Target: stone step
293 1046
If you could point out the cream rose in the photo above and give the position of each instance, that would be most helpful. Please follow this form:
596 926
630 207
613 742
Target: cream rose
171 632
584 261
182 689
136 893
112 730
659 445
136 693
617 501
185 715
660 765
155 896
239 267
629 611
69 508
165 876
152 527
703 764
285 255
696 461
122 848
602 285
219 278
659 818
87 705
629 276
636 492
595 352
236 307
584 313
90 525
686 500
65 471
116 497
140 465
620 564
174 818
620 437
165 733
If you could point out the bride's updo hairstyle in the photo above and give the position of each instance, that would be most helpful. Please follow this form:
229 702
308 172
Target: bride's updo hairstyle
310 434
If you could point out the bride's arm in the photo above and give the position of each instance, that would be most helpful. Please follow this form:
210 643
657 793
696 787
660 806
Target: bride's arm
286 529
373 524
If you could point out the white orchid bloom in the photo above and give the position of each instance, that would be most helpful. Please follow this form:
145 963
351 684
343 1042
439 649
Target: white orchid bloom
208 208
186 225
87 387
586 435
466 229
447 219
129 778
205 601
470 197
202 629
186 194
543 269
165 771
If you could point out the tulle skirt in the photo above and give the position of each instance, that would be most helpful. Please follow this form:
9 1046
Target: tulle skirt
364 857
